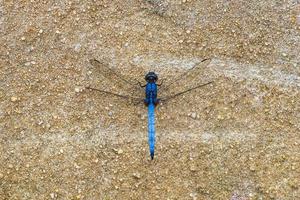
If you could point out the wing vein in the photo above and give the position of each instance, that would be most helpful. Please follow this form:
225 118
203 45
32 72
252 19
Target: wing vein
185 91
115 94
96 62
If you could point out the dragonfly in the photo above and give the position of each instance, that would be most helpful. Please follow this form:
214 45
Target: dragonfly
150 93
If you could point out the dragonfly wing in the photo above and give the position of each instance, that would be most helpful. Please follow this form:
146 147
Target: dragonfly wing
109 81
129 98
189 80
167 98
110 72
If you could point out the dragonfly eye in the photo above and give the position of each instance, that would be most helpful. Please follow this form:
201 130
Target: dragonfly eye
151 77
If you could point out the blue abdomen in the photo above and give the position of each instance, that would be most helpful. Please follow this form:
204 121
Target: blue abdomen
151 129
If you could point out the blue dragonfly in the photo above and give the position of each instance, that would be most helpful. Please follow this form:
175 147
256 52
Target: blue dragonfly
152 93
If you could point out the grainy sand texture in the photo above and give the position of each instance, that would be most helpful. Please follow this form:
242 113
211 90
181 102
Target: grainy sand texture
236 139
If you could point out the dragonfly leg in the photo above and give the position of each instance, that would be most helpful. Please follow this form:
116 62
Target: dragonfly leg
156 102
160 84
146 102
141 85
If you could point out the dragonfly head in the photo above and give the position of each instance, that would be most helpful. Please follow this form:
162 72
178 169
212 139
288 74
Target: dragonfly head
151 77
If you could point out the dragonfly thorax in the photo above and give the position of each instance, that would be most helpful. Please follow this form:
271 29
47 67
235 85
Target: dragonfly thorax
151 77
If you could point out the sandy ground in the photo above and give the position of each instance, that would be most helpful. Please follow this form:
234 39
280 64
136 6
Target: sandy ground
236 139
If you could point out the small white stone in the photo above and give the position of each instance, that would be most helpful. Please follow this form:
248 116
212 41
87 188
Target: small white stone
193 115
120 151
193 195
52 195
14 99
27 64
77 90
193 168
77 166
137 175
77 47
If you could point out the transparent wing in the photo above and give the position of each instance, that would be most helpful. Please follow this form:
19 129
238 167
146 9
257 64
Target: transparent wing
109 81
189 80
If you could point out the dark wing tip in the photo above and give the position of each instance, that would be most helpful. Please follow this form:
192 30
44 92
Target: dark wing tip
205 59
93 60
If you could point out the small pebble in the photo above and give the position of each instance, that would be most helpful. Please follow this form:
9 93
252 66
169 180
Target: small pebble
27 64
77 166
77 89
77 47
193 195
193 115
193 168
14 99
137 175
120 151
52 195
220 117
252 168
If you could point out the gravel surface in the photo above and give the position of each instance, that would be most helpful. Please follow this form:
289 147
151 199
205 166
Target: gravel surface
238 138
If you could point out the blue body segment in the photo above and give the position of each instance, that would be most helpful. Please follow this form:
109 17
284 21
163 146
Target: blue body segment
151 100
151 129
